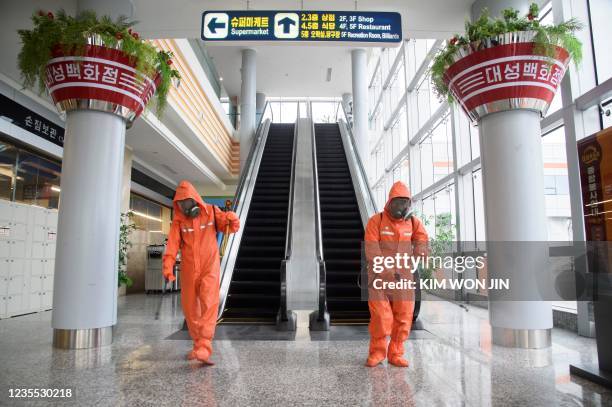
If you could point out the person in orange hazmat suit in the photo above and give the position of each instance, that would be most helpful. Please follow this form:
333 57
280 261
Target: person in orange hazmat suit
194 231
387 233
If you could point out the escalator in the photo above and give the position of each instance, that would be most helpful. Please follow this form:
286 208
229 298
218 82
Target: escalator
342 228
254 294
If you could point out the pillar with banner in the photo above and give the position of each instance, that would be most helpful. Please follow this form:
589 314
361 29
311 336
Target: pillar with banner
504 74
100 80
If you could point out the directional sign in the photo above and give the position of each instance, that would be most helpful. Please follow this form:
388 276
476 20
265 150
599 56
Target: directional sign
286 25
215 25
317 26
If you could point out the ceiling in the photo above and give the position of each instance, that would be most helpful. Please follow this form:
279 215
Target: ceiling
288 70
296 70
282 70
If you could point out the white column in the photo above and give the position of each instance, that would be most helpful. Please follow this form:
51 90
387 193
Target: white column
359 70
248 103
515 214
85 285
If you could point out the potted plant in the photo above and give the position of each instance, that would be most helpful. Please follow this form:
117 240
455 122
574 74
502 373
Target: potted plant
92 63
441 245
125 229
506 63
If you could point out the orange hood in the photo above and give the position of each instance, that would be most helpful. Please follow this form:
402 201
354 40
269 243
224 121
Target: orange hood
184 191
398 190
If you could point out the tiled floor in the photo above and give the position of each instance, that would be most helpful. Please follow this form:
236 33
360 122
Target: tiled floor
455 365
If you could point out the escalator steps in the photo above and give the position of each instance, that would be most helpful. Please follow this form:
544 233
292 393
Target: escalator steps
342 229
254 293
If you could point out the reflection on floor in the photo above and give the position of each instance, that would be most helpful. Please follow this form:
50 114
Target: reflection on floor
454 363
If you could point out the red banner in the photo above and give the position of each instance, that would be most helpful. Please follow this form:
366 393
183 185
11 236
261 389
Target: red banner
102 74
504 72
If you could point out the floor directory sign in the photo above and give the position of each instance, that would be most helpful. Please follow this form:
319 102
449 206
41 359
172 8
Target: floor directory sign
317 26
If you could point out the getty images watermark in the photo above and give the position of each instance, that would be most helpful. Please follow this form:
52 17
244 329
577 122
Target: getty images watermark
501 271
401 263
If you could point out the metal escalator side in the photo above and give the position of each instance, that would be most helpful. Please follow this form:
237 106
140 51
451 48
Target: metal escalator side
242 200
286 320
252 288
319 320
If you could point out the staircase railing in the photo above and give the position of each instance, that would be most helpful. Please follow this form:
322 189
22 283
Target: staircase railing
242 201
365 198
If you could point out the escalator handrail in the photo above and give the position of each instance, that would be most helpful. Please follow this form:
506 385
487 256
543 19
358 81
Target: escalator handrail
318 228
249 160
315 177
246 184
363 181
289 235
282 315
244 175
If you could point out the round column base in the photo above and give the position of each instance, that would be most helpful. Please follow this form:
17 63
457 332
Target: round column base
521 338
82 338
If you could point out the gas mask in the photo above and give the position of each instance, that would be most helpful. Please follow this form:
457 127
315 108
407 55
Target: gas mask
399 208
189 207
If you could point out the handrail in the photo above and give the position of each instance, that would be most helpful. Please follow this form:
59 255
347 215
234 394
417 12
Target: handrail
240 206
371 205
288 241
243 176
282 312
318 230
315 175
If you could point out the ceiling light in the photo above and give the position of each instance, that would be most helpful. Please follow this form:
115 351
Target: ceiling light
56 189
221 78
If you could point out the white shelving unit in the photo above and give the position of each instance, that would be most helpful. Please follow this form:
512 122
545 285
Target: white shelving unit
27 258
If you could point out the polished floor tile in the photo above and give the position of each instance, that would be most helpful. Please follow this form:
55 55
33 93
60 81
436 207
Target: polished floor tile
453 363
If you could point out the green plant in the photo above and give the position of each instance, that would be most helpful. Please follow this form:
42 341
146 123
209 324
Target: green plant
125 229
71 33
485 28
442 243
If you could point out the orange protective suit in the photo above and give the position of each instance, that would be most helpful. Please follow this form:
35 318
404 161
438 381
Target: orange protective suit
391 317
197 240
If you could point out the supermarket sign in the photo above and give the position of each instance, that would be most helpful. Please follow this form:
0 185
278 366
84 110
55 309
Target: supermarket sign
315 26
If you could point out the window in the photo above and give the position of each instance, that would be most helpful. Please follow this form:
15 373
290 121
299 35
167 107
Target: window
556 186
325 112
546 17
479 217
600 12
8 159
37 180
147 214
283 111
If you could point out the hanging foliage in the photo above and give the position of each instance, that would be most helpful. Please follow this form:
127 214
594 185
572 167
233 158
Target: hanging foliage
546 38
71 35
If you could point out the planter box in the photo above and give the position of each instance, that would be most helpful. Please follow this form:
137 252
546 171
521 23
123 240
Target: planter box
505 73
99 78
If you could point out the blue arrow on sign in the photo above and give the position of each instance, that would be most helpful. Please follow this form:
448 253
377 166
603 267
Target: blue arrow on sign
286 23
213 25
